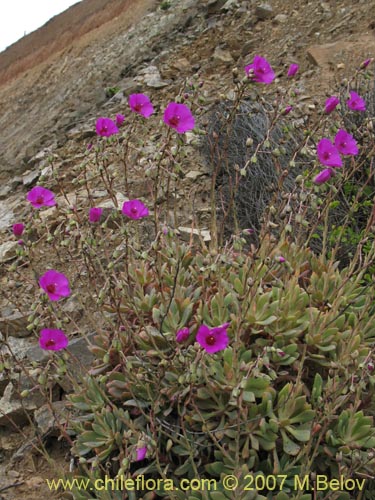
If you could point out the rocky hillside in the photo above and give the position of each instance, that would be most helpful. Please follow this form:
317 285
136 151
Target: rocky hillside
55 82
56 78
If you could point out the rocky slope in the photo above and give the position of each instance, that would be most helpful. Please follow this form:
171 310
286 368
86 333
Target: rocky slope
56 82
55 78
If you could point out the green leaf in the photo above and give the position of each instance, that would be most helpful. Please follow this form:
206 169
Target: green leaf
268 321
289 446
300 434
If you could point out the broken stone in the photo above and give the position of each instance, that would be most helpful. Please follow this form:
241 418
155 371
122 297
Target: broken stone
181 64
213 6
280 19
14 413
30 176
230 4
152 78
187 232
8 251
264 11
194 174
222 55
49 418
120 198
14 324
248 46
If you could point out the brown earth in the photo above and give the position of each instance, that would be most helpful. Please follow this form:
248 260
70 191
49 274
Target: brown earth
53 85
65 30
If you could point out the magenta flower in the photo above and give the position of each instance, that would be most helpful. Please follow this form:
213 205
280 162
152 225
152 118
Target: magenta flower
134 209
182 335
95 214
53 340
179 117
345 143
331 104
141 453
324 176
366 63
18 229
328 154
356 103
281 259
213 339
56 285
120 119
260 70
293 68
287 110
106 127
141 104
41 197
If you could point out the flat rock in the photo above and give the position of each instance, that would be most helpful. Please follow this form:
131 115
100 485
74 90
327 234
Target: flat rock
187 232
194 174
222 55
14 324
264 11
332 54
50 417
280 19
8 251
14 412
151 77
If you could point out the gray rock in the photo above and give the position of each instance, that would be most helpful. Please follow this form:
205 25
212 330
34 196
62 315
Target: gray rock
222 55
280 19
264 11
194 174
14 324
30 176
151 77
49 418
14 412
187 232
230 4
8 251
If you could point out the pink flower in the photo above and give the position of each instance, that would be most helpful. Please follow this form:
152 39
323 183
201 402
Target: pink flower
140 103
345 143
134 209
179 117
281 259
41 197
356 103
119 119
366 62
213 339
293 68
18 229
106 127
95 214
53 340
328 154
182 335
141 453
287 110
260 70
331 104
56 285
323 176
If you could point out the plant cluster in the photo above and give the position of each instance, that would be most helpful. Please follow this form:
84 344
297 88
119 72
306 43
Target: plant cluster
225 358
